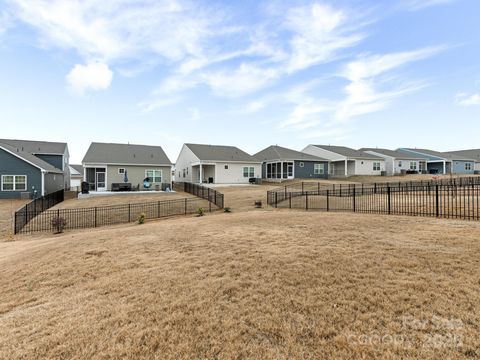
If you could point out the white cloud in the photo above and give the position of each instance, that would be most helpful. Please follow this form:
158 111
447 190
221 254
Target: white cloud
93 76
319 33
467 99
415 5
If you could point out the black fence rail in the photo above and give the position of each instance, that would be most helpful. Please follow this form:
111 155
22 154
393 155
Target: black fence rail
203 192
459 201
116 214
282 193
34 208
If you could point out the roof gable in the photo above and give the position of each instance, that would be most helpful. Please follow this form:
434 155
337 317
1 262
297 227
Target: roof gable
348 152
220 153
29 158
109 153
275 152
37 147
392 153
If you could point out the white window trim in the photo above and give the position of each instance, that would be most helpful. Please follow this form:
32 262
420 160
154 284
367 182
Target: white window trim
153 177
375 163
318 169
14 183
250 171
121 173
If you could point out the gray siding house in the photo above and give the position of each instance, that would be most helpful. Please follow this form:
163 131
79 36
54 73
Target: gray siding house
279 163
397 162
53 153
24 175
105 164
473 154
443 163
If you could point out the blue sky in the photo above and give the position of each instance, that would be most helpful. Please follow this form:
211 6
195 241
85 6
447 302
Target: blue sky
246 73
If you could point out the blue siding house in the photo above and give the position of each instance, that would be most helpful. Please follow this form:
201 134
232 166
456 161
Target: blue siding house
442 163
279 163
25 175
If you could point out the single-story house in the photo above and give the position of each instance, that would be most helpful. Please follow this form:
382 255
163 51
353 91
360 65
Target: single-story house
442 163
218 164
397 162
279 163
473 154
345 161
53 153
106 164
24 175
76 176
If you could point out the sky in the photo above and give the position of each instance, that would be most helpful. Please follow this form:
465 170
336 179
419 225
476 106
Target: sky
396 73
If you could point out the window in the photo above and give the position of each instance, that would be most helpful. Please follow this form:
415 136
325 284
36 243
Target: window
468 166
301 164
226 167
413 165
318 169
14 182
376 166
121 170
400 163
154 175
183 172
249 172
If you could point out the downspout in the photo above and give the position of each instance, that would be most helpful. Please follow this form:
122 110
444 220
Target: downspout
43 183
346 167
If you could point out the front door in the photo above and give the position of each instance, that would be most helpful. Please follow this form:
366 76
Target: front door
290 170
101 184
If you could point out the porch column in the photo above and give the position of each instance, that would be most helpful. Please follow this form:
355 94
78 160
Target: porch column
346 168
282 170
444 167
201 173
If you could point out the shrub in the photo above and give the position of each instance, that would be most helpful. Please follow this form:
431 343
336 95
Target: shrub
141 218
58 224
227 210
200 212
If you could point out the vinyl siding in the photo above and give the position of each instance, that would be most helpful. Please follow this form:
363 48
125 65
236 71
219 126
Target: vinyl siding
135 174
307 171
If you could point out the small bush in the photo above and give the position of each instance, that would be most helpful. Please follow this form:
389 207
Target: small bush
200 212
258 204
141 219
58 224
227 210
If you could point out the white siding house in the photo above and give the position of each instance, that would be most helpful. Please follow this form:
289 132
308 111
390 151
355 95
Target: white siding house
396 162
345 161
218 164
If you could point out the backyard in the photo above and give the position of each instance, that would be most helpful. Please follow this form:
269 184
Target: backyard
254 283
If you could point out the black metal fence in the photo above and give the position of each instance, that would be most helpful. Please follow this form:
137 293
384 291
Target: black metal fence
458 201
282 193
35 208
118 214
203 192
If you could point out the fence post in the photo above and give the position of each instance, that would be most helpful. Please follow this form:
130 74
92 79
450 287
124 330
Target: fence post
185 206
389 202
353 198
306 201
15 223
436 200
328 207
129 213
302 187
290 200
375 188
95 222
276 198
158 209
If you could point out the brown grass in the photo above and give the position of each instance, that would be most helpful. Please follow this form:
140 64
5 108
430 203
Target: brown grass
7 211
274 284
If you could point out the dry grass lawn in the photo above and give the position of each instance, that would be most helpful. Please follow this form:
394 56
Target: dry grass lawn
274 284
7 211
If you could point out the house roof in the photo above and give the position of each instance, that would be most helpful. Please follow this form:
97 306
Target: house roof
392 153
37 147
473 154
275 152
123 154
220 153
78 168
447 156
30 158
348 152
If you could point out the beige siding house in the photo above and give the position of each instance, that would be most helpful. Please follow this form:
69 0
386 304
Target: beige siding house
218 164
345 161
144 167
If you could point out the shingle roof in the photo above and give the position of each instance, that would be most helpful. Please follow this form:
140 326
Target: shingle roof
78 168
30 158
103 153
392 153
220 153
37 147
439 154
275 152
473 154
348 152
